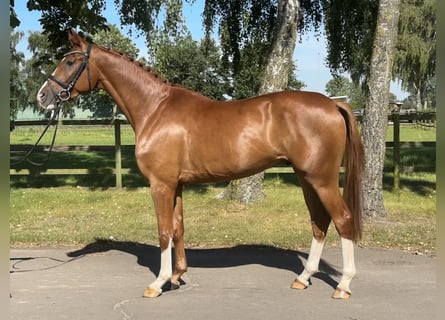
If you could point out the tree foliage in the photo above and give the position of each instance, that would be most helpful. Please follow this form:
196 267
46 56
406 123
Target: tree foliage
16 86
240 24
59 16
144 15
350 27
246 33
194 65
342 86
13 19
271 29
415 59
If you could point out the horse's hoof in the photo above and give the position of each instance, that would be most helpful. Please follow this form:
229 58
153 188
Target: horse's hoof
151 293
341 294
174 285
298 285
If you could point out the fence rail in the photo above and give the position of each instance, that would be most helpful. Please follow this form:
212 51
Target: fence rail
118 171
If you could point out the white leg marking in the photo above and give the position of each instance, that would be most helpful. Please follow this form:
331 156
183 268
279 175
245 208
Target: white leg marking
348 264
166 272
312 262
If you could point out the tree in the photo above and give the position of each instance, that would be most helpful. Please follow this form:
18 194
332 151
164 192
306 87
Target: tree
280 36
350 26
275 77
194 65
415 59
13 19
144 15
375 117
59 16
339 86
361 36
16 87
342 86
246 31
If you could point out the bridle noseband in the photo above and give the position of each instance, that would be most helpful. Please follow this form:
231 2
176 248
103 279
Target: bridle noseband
65 93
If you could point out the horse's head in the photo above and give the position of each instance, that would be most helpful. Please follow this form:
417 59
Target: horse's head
72 76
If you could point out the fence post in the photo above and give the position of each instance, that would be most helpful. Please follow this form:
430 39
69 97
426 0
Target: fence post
117 143
396 149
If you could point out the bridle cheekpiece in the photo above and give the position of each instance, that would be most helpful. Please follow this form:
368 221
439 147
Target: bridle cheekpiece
65 93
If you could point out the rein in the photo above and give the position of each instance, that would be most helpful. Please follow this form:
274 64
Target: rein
26 157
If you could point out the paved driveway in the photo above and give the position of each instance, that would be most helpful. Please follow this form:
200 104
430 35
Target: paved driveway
105 280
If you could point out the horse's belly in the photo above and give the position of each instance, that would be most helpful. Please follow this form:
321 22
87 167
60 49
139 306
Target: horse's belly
227 169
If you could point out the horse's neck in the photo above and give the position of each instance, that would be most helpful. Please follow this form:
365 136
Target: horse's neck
137 91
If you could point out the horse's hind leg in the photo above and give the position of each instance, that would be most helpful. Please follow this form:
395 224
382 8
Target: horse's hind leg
332 200
320 222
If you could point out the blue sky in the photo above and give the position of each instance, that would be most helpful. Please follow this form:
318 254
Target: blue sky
309 54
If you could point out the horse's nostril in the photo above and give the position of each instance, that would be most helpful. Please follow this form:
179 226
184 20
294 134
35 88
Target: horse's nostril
41 96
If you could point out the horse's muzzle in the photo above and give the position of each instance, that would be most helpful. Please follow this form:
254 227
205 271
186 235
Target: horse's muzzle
46 99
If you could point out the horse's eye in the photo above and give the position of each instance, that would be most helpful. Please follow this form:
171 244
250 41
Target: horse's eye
70 62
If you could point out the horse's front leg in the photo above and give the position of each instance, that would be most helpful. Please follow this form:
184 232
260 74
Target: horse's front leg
163 198
178 240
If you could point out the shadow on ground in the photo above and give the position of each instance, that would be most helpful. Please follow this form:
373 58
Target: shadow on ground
149 256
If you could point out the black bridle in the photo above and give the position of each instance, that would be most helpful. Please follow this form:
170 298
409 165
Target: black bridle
64 94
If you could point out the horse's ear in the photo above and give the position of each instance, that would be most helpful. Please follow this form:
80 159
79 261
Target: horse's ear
74 38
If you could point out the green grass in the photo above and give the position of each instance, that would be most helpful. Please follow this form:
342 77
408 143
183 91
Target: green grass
412 133
104 135
70 216
72 135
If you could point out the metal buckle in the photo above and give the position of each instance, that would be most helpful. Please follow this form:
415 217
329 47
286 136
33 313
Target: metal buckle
64 95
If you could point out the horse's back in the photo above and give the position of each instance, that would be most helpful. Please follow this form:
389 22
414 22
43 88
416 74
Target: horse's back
207 140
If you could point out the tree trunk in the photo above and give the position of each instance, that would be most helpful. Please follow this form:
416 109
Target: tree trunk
275 78
375 117
418 99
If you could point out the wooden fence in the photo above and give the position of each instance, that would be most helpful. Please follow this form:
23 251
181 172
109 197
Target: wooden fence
422 119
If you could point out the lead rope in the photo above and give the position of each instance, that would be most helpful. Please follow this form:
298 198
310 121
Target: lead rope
26 157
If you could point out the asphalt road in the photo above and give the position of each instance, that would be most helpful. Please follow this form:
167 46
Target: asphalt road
106 281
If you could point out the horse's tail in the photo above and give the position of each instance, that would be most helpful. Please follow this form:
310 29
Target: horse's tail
354 164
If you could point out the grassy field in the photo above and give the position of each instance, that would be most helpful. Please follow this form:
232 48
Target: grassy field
104 135
65 213
72 135
76 216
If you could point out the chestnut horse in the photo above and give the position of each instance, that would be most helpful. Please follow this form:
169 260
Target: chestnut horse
183 137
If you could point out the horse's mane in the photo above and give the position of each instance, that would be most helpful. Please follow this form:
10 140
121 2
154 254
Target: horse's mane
137 63
145 68
126 56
